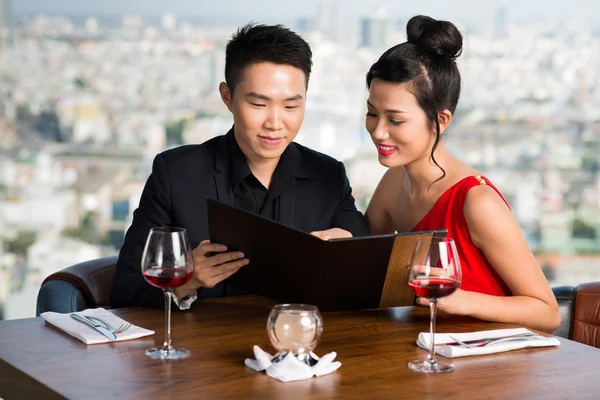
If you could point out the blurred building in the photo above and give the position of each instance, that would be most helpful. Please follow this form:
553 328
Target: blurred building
168 22
47 255
4 12
500 23
374 32
328 21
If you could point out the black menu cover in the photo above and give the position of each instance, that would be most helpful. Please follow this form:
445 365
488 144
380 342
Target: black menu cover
291 266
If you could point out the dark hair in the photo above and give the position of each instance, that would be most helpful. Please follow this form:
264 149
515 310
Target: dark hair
253 44
427 62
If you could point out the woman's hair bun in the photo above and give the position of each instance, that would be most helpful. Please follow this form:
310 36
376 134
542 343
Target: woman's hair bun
440 37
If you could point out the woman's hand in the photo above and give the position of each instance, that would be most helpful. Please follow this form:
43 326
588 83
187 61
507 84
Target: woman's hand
457 303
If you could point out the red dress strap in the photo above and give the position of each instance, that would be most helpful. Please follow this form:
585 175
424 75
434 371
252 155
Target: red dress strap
448 213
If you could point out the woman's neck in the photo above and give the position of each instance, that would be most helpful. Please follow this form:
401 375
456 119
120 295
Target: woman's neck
422 173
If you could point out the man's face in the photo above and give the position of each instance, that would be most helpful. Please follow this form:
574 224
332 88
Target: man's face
268 108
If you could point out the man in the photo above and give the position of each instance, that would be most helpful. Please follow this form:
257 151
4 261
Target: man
255 167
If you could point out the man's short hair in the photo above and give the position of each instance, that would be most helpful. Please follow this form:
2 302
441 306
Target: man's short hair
253 44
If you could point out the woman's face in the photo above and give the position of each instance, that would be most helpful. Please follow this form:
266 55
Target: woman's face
397 124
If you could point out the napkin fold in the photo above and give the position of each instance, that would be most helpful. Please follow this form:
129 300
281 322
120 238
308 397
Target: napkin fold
89 335
445 344
290 368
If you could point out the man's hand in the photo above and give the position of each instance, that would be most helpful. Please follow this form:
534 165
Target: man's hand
333 233
210 269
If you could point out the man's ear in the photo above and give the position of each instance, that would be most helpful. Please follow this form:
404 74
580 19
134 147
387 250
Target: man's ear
444 119
226 95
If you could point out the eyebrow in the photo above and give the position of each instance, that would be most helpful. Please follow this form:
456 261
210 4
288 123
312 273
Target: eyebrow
388 111
267 98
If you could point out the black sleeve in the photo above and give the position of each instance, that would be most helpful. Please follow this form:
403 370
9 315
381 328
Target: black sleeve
129 288
346 215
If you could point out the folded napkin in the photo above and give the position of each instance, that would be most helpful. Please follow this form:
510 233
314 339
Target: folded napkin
446 346
87 334
290 368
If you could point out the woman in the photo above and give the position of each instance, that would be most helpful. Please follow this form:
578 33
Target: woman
413 91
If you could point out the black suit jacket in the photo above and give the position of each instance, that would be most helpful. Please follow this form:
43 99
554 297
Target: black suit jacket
318 197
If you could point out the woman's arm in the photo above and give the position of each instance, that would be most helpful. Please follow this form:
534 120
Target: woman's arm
496 232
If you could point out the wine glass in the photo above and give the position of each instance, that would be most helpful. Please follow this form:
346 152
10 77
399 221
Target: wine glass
296 329
167 263
434 274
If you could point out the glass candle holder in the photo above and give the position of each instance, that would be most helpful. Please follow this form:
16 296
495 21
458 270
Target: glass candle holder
295 329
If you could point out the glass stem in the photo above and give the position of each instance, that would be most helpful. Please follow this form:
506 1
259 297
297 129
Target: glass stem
167 345
432 309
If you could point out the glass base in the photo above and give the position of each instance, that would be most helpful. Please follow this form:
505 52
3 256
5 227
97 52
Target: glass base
306 358
430 368
171 354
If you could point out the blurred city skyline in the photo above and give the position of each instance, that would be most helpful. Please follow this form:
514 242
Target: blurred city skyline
473 12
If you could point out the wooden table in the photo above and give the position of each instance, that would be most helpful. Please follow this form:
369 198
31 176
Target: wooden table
38 361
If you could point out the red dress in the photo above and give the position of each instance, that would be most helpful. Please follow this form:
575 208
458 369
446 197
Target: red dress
448 213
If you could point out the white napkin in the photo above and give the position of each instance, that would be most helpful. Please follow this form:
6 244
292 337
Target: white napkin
290 368
453 351
87 334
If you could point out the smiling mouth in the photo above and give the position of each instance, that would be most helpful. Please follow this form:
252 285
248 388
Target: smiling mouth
270 140
270 137
385 150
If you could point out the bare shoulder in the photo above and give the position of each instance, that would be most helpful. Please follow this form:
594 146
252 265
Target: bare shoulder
482 198
487 214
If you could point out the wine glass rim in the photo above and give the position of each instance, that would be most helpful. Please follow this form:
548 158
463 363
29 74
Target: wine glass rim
167 229
295 308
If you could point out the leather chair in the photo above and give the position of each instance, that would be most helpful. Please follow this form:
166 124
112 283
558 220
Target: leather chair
585 327
80 286
565 295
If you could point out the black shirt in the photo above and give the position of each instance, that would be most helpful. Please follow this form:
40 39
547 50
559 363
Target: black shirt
248 192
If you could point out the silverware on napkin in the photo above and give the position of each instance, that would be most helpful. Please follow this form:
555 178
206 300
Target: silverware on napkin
485 341
95 325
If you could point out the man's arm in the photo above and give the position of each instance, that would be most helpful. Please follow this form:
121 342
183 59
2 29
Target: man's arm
129 288
347 217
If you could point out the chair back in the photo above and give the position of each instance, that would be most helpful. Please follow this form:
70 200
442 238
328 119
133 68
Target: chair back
586 314
93 278
565 296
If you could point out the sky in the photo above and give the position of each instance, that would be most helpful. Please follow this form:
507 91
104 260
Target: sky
259 10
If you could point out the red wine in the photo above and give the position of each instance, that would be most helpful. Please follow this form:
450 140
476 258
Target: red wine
434 288
167 277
